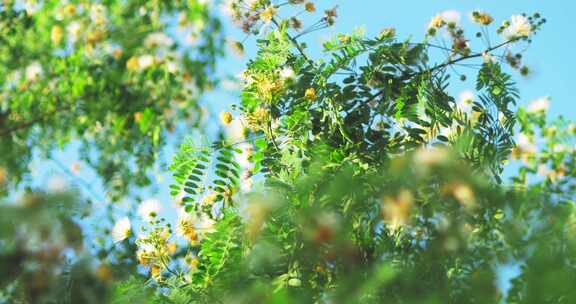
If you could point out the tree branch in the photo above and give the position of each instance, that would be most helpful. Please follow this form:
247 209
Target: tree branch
30 123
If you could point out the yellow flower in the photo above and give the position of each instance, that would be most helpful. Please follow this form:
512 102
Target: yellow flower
310 94
226 118
388 32
171 248
210 198
104 273
3 177
69 9
436 22
310 7
155 271
56 34
396 209
463 194
132 64
268 13
192 261
482 18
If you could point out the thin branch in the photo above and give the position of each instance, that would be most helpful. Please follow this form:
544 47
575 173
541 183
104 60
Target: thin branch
31 122
445 64
296 44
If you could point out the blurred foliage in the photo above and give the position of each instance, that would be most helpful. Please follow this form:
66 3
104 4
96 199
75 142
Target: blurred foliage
116 75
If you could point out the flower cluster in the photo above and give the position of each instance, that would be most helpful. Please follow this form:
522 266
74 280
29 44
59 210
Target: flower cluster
449 20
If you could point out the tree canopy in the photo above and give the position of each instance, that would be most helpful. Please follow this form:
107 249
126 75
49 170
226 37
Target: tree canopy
353 177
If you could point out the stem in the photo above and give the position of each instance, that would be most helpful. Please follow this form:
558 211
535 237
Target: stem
296 44
29 123
445 64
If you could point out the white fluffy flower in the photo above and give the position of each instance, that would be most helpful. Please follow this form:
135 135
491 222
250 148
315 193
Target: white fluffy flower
192 226
158 39
98 14
227 8
236 131
243 159
149 209
34 71
122 229
246 184
171 67
73 30
204 224
519 27
539 105
31 7
465 100
525 144
488 58
451 16
288 74
145 61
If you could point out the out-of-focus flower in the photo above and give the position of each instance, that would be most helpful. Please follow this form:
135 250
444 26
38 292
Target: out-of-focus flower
235 130
204 224
149 209
330 16
31 7
122 229
287 74
146 61
209 199
268 13
539 105
145 253
192 261
243 159
185 227
132 64
310 7
98 14
295 23
103 273
431 156
482 18
246 185
158 39
226 118
34 71
57 183
450 16
73 30
3 176
56 34
436 22
526 145
396 209
463 194
488 58
465 100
